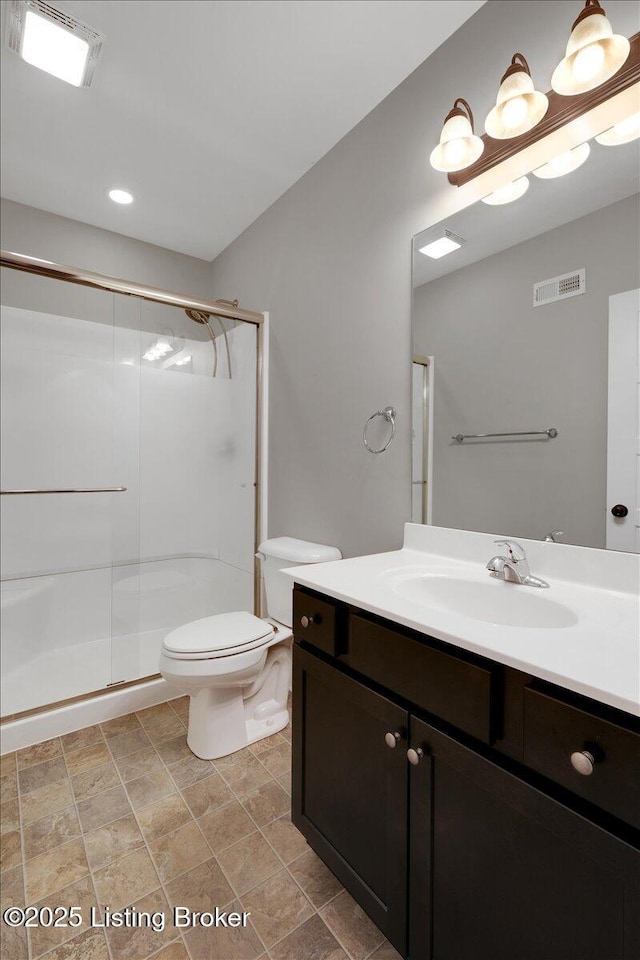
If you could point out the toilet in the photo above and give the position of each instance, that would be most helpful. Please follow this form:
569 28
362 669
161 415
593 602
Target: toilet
235 667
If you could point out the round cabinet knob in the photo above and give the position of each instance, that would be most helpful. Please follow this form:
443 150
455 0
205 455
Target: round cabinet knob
309 621
619 510
415 756
582 761
391 739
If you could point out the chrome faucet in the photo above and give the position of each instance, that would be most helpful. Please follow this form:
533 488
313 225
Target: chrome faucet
514 567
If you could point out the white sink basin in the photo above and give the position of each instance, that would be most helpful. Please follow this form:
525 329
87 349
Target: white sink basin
493 601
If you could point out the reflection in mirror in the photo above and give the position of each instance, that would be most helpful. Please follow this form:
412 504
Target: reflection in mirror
529 326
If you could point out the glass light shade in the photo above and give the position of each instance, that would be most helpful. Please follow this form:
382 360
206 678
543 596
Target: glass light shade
622 132
508 193
564 163
458 147
594 54
519 107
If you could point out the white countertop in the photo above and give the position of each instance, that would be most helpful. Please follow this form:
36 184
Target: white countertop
596 654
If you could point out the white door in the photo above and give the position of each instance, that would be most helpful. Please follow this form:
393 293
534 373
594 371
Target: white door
623 434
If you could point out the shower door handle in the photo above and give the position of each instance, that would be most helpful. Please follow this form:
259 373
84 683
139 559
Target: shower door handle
14 493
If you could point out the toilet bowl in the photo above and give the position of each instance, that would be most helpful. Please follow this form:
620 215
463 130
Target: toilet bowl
236 667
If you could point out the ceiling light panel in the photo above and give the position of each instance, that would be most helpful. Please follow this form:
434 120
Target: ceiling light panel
53 41
442 246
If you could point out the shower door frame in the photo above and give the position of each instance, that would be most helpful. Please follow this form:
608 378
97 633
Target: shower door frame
226 309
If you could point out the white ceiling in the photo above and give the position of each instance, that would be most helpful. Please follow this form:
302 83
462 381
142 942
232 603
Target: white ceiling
207 111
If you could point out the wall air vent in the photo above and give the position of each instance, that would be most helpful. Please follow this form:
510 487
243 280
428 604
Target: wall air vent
559 288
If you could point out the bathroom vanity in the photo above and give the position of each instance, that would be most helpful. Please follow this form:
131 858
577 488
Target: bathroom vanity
474 782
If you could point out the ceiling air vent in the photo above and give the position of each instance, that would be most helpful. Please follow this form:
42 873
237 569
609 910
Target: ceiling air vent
559 288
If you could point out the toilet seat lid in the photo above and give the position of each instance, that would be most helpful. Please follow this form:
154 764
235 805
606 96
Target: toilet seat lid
224 633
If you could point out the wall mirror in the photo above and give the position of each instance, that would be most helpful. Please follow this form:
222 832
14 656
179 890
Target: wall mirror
526 360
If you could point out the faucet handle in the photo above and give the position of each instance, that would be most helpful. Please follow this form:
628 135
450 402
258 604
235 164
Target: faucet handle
514 549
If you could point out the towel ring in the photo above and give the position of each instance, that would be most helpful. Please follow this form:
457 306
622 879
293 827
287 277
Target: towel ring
389 414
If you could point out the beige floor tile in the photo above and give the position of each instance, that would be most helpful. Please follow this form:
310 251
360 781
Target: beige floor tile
90 945
120 726
277 907
181 707
103 808
128 743
202 888
179 851
50 832
261 746
245 777
13 940
312 941
267 803
55 870
248 863
353 928
165 729
315 878
206 795
126 880
139 943
47 800
112 841
163 816
285 782
386 952
238 756
226 825
38 753
285 839
190 769
239 943
156 714
86 758
175 749
95 781
286 733
79 894
138 764
9 784
12 888
10 850
277 759
153 786
41 775
81 738
174 951
8 763
9 817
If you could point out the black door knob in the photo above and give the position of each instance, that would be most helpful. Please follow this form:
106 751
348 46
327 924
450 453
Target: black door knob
619 510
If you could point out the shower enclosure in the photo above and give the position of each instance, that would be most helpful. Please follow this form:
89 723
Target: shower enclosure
129 476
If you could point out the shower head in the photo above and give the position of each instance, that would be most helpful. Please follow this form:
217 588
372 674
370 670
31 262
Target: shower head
197 316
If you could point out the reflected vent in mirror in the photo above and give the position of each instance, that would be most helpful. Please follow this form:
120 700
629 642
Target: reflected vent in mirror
559 288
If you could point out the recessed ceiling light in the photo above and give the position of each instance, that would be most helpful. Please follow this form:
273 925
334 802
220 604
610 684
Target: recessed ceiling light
442 246
53 41
120 196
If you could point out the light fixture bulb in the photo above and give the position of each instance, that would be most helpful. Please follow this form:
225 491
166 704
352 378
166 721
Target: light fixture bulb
593 55
458 147
519 106
564 163
508 193
622 132
120 196
454 152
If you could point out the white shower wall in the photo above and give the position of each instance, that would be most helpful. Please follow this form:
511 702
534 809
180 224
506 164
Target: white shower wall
91 582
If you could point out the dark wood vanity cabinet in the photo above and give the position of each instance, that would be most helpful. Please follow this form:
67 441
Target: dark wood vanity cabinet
463 853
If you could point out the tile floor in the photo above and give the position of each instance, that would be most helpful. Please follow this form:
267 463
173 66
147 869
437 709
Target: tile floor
122 813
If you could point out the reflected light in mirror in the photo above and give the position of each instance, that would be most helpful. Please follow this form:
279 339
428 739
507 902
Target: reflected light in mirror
564 163
443 246
508 193
623 132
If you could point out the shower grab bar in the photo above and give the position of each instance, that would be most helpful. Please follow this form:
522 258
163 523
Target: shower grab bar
551 433
14 493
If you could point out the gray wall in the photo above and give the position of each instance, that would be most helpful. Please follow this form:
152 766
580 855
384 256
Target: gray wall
331 261
501 364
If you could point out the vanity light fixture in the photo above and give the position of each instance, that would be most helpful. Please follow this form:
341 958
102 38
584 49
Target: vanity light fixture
53 41
507 194
519 106
564 163
594 53
458 147
118 195
442 246
623 132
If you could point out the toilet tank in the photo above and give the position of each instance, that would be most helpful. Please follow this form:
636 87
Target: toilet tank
284 552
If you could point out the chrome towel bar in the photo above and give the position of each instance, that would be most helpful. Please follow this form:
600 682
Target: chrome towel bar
15 493
551 433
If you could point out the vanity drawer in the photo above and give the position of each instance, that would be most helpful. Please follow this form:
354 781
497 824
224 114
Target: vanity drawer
451 687
555 730
314 621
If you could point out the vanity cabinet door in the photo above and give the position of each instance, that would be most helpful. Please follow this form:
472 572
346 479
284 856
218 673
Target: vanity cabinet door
350 787
499 870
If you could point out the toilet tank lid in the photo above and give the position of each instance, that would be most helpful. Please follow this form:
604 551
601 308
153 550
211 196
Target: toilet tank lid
298 551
